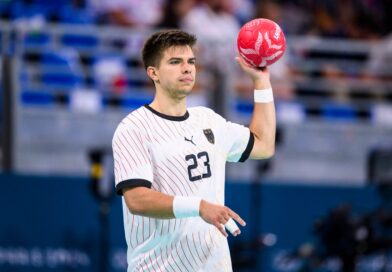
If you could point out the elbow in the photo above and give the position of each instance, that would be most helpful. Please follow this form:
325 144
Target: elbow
269 153
271 150
266 153
268 150
135 208
264 147
134 205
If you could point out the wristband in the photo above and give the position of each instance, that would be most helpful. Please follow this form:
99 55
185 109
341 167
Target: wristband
264 96
186 206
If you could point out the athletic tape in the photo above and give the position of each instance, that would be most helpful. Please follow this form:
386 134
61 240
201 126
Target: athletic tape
231 226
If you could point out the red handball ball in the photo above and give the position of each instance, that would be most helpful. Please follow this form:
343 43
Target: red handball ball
261 42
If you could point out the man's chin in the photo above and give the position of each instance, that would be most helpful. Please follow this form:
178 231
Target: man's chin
185 92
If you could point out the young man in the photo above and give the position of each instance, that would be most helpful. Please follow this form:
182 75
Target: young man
170 164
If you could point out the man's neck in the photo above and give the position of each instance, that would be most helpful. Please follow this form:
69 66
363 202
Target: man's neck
169 107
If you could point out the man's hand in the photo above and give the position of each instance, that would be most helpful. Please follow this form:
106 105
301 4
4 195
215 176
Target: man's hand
218 216
259 76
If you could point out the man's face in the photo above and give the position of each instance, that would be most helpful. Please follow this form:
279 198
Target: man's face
176 72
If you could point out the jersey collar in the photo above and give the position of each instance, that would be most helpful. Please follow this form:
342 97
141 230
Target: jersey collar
168 117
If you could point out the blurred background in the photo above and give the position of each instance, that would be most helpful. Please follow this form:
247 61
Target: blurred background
71 70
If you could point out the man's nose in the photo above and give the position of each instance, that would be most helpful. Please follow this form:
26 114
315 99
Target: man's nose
186 68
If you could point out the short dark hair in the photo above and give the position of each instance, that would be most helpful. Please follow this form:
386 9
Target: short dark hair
157 43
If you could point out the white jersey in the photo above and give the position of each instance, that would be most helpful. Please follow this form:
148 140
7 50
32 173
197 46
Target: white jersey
178 156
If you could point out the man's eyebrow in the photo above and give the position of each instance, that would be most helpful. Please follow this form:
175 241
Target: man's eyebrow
177 58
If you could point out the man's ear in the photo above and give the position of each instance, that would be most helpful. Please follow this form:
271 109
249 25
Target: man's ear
151 72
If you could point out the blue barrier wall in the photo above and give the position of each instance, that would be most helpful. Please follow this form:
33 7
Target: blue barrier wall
53 223
289 212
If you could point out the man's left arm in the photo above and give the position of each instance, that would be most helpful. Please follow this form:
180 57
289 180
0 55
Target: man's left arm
263 122
263 127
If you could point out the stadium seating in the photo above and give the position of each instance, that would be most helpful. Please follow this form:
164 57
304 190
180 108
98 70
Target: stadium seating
336 112
39 40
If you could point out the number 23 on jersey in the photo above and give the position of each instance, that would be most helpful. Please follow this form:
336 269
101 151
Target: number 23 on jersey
194 160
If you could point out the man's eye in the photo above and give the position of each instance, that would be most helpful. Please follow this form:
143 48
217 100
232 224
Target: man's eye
192 62
174 62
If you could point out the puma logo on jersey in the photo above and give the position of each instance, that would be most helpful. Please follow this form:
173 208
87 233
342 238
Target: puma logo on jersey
189 140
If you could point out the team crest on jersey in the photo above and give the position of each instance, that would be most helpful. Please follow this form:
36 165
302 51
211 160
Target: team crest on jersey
209 135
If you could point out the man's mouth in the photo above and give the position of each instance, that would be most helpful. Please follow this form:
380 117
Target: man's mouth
186 80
